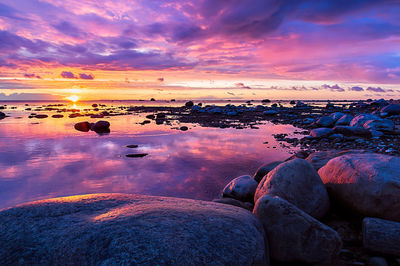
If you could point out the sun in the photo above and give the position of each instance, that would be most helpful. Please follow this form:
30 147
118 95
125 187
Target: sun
73 98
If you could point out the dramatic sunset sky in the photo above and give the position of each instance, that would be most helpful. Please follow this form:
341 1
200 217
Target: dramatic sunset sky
204 49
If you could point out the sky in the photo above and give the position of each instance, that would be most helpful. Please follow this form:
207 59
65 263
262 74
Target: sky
203 49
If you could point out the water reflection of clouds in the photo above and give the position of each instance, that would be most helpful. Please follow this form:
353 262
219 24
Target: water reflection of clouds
193 164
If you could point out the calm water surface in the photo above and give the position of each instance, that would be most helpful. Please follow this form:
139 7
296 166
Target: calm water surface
43 158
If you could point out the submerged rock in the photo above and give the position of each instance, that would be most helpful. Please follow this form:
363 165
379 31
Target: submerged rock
127 229
241 188
299 183
295 236
368 184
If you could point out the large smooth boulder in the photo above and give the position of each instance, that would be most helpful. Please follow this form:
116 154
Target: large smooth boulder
336 116
241 188
391 109
295 236
352 131
379 125
264 170
368 184
82 126
101 127
127 229
299 183
325 121
321 132
344 120
360 119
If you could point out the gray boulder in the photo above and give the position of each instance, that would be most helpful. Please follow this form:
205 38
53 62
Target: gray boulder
379 125
344 120
336 116
368 184
265 169
381 236
391 109
127 229
295 236
299 183
325 121
241 188
360 120
352 131
321 132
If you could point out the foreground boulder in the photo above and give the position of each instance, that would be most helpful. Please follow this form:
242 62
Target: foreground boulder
127 229
299 183
391 109
265 169
241 188
366 183
352 131
294 236
381 236
360 120
344 120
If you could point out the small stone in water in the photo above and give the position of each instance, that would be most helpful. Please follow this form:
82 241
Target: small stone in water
136 155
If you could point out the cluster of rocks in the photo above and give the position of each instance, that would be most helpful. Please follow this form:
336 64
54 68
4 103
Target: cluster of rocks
336 207
100 127
285 213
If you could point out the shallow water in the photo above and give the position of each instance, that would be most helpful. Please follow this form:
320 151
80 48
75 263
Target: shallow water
42 158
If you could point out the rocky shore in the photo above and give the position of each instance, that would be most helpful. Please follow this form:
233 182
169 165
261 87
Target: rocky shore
335 202
332 208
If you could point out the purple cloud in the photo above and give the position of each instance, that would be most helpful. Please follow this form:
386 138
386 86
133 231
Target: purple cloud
335 87
356 88
68 75
242 86
375 89
85 76
27 75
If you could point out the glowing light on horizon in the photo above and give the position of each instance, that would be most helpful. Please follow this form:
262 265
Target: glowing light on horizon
73 98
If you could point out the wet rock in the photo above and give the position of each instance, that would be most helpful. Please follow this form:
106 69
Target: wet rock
295 236
189 104
74 115
391 109
94 105
41 116
132 146
264 170
125 229
321 132
241 188
101 127
2 115
381 236
376 133
184 128
368 184
299 183
57 116
360 120
344 120
266 101
136 155
83 126
152 100
336 116
380 125
352 131
234 202
325 121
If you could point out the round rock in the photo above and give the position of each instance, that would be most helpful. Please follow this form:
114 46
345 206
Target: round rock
299 183
126 229
241 188
368 184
